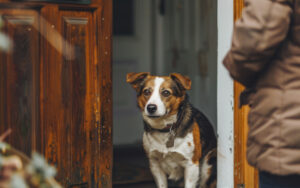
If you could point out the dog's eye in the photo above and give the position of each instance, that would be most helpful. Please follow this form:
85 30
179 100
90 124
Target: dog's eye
147 92
166 93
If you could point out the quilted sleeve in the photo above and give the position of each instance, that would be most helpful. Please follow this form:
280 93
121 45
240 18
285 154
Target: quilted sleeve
257 35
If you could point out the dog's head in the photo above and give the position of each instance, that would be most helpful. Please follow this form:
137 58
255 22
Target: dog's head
159 96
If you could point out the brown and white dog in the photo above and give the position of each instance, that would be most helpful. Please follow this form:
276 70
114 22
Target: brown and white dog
179 140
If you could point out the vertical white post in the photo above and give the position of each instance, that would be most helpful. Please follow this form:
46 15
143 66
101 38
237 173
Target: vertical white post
225 100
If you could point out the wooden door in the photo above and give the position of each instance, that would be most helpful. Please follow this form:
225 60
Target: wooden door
244 174
55 87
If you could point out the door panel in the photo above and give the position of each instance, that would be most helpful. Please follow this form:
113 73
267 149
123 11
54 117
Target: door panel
69 93
54 119
76 89
20 84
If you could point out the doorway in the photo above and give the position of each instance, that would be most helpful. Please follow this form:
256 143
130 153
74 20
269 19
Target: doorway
161 37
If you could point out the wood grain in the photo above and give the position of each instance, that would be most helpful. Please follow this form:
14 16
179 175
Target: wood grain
20 85
104 116
77 86
53 114
244 174
63 100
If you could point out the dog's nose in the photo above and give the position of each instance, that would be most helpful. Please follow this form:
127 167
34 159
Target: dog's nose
151 108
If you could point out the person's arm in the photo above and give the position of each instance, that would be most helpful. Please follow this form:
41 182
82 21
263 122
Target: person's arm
257 35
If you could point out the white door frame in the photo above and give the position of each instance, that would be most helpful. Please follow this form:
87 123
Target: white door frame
225 98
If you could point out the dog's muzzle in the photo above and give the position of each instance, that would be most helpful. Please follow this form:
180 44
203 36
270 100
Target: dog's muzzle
151 108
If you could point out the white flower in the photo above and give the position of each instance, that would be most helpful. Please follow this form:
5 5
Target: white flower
4 146
17 182
39 166
5 43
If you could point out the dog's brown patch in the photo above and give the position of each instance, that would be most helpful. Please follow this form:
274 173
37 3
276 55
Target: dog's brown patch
148 84
136 79
173 101
189 144
211 183
184 81
197 144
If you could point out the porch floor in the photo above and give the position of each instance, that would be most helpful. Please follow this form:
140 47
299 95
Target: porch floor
131 168
137 185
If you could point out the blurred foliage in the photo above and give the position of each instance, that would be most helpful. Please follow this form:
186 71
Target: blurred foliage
17 181
19 171
40 170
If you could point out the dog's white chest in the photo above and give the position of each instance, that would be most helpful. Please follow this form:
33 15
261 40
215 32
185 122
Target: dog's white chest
174 159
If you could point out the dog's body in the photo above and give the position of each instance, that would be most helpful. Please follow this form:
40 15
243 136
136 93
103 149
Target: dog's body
178 139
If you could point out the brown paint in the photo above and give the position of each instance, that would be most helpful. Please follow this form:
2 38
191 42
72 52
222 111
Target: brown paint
197 144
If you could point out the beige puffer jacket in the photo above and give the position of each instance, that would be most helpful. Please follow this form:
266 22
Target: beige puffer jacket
265 57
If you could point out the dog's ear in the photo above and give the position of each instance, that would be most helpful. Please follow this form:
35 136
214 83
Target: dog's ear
136 79
183 81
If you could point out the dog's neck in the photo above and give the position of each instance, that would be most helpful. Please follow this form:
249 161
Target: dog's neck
157 124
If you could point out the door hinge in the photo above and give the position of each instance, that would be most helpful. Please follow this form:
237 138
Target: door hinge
240 185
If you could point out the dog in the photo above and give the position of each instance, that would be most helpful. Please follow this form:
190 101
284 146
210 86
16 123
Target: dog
179 140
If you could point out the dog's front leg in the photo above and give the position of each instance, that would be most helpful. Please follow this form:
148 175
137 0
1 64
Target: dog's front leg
158 174
191 175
